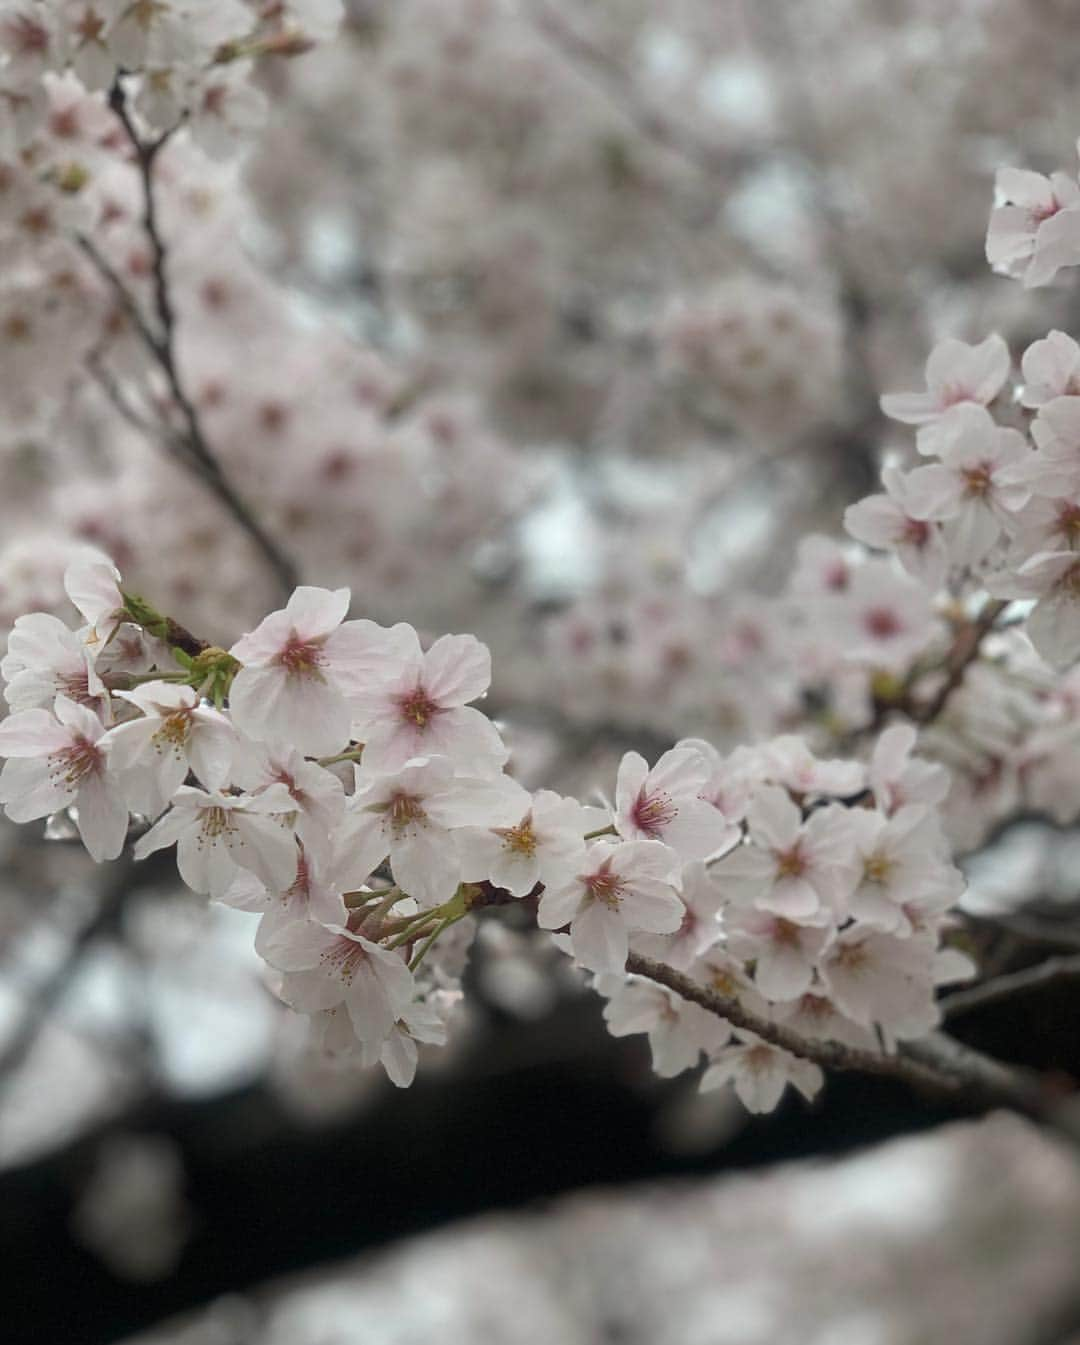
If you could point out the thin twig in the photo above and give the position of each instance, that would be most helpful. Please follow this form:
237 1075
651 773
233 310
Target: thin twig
192 445
963 654
1011 983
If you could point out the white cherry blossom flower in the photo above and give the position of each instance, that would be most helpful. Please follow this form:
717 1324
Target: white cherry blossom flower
422 708
398 1053
299 665
976 488
59 759
800 870
1053 579
956 374
878 978
175 733
664 804
1051 368
544 844
886 619
901 862
624 886
760 1072
46 659
410 816
327 966
784 953
702 898
224 108
679 1031
218 834
1034 228
887 523
788 761
317 794
897 779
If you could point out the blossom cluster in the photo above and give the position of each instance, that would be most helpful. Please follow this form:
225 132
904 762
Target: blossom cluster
337 777
194 59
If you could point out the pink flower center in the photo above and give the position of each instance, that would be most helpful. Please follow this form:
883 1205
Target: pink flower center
418 708
74 763
916 532
605 886
882 623
1069 523
302 658
954 393
651 813
790 863
1039 213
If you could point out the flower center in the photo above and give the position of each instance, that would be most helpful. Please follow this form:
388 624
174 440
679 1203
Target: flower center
173 733
1069 523
651 813
216 823
605 886
302 658
882 623
877 868
405 809
417 707
790 863
520 839
977 480
343 958
916 532
74 763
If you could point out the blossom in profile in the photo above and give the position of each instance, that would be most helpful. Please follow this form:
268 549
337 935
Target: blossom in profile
956 375
759 1073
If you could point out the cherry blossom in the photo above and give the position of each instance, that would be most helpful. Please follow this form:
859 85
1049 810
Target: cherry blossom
678 1031
759 1073
976 487
1034 228
218 834
298 666
175 733
543 844
409 815
1053 579
45 659
888 522
1051 368
623 886
956 374
59 759
421 709
798 870
664 803
897 779
784 953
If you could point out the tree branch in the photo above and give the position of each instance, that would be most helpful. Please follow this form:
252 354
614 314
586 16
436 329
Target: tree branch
1011 983
191 444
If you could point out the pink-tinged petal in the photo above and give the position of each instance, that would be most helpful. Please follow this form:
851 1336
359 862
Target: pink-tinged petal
211 748
496 802
681 770
773 818
32 733
971 535
782 970
1054 627
1025 188
1057 244
425 864
910 408
792 898
633 771
265 642
102 818
1010 240
29 791
79 718
946 369
303 711
652 908
599 938
361 844
986 368
934 492
457 669
166 831
876 521
698 831
362 652
315 612
559 905
92 583
516 871
268 850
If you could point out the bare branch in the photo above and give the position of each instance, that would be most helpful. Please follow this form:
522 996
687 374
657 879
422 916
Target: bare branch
1012 983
